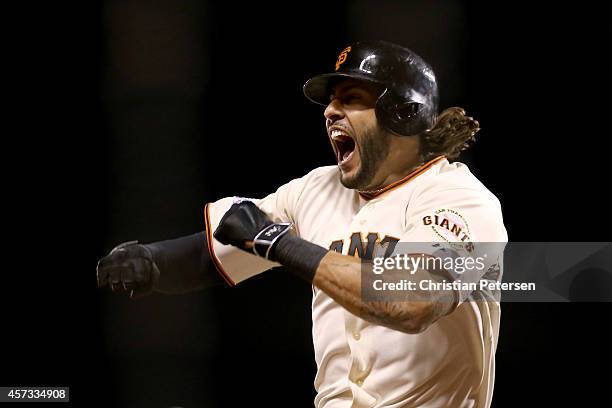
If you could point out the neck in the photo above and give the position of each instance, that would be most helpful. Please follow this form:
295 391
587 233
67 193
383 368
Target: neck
392 171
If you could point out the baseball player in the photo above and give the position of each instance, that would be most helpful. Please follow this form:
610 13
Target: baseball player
393 183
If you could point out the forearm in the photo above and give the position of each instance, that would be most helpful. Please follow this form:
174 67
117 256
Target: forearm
184 264
339 276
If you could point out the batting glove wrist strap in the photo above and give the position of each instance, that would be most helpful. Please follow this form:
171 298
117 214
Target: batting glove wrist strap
264 241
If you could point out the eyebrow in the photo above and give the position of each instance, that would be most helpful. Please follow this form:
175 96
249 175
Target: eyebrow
345 88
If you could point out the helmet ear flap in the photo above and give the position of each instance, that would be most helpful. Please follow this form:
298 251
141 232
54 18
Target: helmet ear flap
402 117
406 111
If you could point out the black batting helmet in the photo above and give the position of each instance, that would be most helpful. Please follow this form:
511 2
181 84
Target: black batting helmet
408 105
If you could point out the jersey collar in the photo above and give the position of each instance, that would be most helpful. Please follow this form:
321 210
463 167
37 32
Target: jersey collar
392 186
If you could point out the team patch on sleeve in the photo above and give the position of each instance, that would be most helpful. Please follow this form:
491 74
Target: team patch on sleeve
449 225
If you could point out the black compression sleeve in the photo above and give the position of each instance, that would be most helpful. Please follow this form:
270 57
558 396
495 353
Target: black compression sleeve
184 264
299 256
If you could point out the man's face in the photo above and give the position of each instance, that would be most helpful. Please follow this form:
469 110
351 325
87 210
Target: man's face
360 144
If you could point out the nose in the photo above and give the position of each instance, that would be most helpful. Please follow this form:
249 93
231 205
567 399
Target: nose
333 111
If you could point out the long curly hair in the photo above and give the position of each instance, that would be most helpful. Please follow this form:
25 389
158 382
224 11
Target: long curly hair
452 133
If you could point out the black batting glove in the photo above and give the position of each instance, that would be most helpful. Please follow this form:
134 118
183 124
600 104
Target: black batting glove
129 268
245 226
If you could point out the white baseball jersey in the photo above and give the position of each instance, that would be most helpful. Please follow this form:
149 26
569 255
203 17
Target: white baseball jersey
360 364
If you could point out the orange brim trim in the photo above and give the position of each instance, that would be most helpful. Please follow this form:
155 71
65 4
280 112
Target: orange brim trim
211 250
406 179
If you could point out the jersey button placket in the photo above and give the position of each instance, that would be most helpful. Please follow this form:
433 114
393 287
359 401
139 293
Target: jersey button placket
361 216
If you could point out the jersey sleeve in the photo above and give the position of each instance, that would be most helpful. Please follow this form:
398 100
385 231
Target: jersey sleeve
459 225
233 264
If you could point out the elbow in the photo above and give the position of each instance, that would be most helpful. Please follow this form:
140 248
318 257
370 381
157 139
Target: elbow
419 315
418 319
412 317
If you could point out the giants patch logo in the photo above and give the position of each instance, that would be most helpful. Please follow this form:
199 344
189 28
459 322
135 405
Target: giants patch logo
449 225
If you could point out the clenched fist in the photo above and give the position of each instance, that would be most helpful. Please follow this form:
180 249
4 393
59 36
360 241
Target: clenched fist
130 268
247 227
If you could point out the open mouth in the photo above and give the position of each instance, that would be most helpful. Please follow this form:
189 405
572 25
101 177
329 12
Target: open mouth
345 145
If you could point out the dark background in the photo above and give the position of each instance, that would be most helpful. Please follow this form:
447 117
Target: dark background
135 113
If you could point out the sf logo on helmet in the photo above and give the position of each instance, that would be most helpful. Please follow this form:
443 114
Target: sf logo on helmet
342 57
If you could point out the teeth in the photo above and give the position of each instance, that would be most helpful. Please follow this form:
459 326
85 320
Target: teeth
335 133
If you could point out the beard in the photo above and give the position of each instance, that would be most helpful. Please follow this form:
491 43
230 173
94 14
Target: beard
373 150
